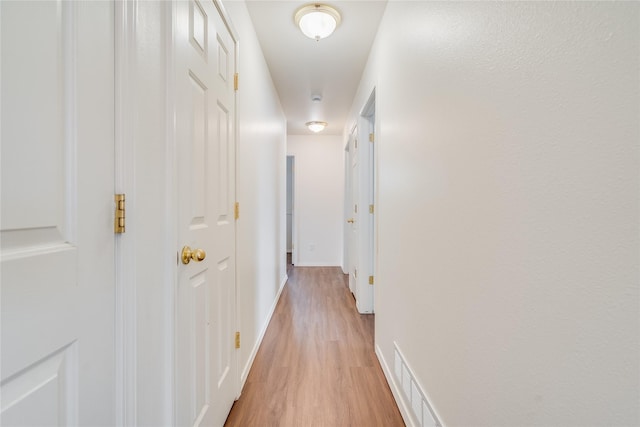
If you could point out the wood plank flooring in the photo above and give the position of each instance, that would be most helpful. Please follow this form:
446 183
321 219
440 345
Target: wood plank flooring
316 365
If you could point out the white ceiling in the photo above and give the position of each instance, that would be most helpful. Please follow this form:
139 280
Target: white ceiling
301 66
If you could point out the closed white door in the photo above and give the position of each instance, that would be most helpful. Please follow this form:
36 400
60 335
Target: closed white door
57 251
353 219
206 296
290 204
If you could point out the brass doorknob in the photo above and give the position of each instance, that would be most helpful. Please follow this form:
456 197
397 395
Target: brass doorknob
350 220
196 254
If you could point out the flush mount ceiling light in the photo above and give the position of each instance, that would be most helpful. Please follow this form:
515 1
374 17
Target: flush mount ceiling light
317 21
316 126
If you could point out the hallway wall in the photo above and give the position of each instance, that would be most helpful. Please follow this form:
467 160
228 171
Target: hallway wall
508 135
261 178
318 198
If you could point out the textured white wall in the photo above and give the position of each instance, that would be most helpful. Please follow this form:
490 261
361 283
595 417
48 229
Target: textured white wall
508 207
319 198
261 175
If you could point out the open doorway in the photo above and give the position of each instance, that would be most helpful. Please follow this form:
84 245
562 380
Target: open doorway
291 257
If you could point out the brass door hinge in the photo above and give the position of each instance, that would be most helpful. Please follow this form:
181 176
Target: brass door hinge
119 221
371 280
370 209
237 339
371 137
235 81
236 210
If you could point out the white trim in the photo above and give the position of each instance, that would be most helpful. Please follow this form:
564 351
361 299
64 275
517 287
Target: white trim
234 36
366 245
405 411
295 252
171 189
346 209
254 351
125 265
318 264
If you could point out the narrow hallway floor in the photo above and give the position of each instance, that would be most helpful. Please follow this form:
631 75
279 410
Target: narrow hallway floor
316 365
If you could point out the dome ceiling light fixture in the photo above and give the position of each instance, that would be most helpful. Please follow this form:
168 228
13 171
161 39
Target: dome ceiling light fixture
316 126
317 21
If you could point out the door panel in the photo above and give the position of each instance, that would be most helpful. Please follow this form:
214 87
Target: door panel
205 107
57 250
354 279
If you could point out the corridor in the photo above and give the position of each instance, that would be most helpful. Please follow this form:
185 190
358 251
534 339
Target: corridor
473 166
316 365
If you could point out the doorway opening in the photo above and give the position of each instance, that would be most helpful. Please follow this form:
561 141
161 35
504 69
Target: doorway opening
292 257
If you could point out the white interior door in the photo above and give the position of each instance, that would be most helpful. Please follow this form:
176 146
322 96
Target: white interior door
290 205
205 110
57 251
365 295
353 219
346 231
368 299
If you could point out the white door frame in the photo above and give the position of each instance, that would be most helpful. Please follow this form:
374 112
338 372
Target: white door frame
125 27
346 233
294 246
129 292
367 198
237 380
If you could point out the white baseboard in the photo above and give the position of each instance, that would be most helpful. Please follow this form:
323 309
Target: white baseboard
405 410
254 350
317 264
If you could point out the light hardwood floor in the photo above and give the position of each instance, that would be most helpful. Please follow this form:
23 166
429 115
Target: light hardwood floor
316 365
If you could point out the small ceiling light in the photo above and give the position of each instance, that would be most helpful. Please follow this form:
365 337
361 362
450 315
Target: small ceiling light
316 126
317 21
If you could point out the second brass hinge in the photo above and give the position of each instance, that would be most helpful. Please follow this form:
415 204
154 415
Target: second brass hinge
370 209
371 137
120 219
236 211
371 280
237 339
235 81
